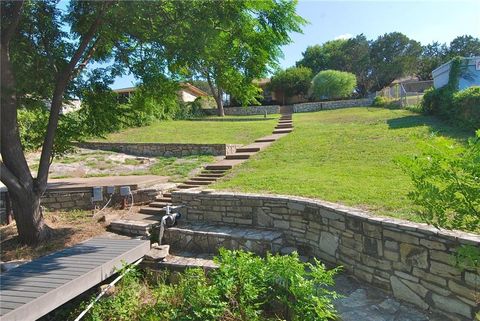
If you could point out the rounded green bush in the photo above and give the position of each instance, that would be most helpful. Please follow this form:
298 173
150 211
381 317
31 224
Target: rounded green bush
330 84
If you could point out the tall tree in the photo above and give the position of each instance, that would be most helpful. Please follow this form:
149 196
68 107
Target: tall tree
292 81
393 55
243 45
352 55
433 55
127 36
464 46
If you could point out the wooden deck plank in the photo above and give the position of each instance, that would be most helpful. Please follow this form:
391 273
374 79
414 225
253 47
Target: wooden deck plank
36 288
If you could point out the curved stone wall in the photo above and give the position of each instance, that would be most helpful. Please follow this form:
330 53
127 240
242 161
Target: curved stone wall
412 261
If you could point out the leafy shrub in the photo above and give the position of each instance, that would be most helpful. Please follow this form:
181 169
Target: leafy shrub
292 81
446 184
245 287
466 104
331 84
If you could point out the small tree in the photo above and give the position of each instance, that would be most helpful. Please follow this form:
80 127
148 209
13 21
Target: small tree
330 84
292 81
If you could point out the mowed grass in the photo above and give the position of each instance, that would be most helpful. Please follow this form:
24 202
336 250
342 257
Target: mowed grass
345 156
197 132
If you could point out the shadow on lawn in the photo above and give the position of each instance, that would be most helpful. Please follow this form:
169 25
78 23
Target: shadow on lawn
435 125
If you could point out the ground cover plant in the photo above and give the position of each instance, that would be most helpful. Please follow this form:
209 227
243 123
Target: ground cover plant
346 156
245 287
196 132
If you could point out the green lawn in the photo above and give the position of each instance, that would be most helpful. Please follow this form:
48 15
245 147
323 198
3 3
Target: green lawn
200 132
345 156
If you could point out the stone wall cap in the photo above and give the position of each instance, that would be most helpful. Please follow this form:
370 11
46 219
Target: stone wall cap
453 235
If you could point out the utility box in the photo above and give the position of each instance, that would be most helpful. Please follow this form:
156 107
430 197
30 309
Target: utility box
97 194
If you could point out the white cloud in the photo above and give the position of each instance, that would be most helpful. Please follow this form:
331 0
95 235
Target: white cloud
345 36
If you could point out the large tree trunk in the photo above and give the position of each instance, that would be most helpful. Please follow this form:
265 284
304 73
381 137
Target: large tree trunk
29 218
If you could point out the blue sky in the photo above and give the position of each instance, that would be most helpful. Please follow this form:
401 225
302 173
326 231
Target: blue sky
424 21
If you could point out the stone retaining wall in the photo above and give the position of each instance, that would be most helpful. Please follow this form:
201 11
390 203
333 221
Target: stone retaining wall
247 110
82 199
163 149
412 261
322 105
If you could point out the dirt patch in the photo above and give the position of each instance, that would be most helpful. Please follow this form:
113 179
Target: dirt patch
69 228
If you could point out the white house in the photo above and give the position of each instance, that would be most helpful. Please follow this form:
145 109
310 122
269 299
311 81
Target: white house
469 77
186 93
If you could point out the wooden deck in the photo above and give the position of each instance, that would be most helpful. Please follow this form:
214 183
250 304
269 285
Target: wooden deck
37 288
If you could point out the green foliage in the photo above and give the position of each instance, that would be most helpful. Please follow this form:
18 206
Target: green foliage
446 184
292 81
466 106
32 125
459 107
244 288
380 101
331 84
352 55
467 257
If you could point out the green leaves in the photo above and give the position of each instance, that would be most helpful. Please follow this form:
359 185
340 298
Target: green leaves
292 81
331 84
446 182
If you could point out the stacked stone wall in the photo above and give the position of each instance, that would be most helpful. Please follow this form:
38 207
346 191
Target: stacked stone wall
415 262
163 149
247 110
326 105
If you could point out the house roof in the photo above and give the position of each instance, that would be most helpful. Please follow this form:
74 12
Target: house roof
184 86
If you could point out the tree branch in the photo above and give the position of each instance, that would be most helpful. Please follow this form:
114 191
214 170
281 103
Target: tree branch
9 179
61 84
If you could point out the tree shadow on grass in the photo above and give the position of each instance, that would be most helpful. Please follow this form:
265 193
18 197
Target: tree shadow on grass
435 125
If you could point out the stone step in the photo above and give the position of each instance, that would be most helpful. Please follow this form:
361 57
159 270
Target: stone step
214 171
200 237
283 131
239 155
167 194
248 149
283 126
134 227
164 199
285 122
187 186
194 182
159 204
211 175
153 210
224 164
266 139
181 261
204 179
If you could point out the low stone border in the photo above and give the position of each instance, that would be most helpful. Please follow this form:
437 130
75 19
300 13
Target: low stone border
412 261
245 111
323 105
232 119
163 149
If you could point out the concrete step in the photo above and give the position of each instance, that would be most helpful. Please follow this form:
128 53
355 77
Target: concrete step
167 194
240 155
204 179
200 237
285 122
270 138
283 131
248 149
194 182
